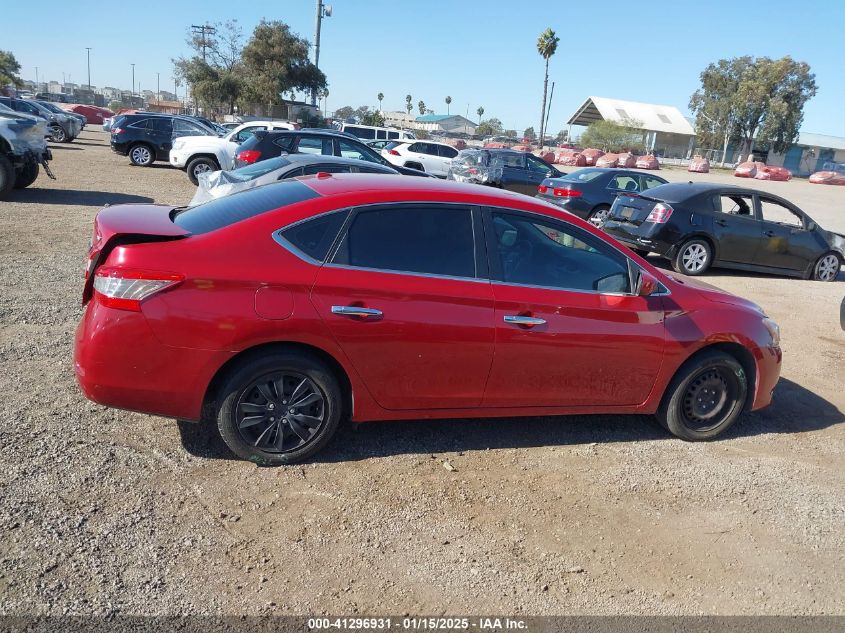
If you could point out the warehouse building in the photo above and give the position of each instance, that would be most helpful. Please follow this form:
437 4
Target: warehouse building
666 132
809 154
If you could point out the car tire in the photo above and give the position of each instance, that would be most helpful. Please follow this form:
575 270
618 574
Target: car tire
199 165
827 267
706 396
252 387
58 134
7 176
693 257
142 155
27 175
598 215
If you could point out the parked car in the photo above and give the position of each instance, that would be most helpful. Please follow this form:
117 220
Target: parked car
699 225
282 310
365 132
148 138
264 145
200 154
52 107
589 193
504 168
429 156
61 127
217 184
23 147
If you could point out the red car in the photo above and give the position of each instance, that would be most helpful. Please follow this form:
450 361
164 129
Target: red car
284 309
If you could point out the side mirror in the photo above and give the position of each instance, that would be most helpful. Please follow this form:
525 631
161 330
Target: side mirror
646 284
811 226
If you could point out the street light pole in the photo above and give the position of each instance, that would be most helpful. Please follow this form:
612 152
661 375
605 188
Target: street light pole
88 48
158 88
322 11
133 79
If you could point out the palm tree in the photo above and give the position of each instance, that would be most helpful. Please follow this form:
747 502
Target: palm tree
421 106
546 46
448 101
480 113
380 98
408 106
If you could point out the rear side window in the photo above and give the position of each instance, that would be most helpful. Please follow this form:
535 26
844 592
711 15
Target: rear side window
315 145
315 237
285 142
160 124
222 212
420 239
447 152
140 125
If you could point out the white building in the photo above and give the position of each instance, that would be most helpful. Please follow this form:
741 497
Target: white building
665 130
445 123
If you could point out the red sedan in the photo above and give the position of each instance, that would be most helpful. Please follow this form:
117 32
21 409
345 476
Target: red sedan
284 309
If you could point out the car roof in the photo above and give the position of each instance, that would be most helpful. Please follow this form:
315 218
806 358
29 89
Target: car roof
680 191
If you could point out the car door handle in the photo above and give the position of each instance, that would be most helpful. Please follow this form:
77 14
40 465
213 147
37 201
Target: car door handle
527 321
721 222
357 312
769 233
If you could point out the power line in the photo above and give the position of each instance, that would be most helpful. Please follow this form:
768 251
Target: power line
203 31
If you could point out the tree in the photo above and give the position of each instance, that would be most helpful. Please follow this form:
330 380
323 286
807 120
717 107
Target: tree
408 106
115 106
344 112
421 106
373 118
562 136
546 46
489 127
510 133
276 62
380 98
448 103
613 137
9 69
746 100
529 133
480 112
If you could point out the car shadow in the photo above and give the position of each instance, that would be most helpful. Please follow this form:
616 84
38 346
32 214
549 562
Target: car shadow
52 147
34 195
794 409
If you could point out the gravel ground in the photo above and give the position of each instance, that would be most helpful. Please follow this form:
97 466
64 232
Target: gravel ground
107 512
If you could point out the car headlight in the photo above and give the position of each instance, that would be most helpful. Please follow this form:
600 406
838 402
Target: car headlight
773 329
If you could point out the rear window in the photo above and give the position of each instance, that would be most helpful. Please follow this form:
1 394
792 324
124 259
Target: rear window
314 237
222 212
261 167
393 144
584 175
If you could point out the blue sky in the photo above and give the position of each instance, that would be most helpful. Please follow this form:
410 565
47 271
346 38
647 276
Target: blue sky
479 53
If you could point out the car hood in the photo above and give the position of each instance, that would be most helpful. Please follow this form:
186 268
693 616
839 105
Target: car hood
712 293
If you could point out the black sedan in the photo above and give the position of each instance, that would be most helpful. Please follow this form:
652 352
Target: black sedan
266 144
701 225
589 193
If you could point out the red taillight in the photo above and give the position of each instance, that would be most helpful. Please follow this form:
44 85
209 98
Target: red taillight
566 193
249 156
125 289
393 152
660 213
542 188
117 130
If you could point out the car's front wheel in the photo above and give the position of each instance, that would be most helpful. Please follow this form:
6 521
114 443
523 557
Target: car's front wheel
142 155
199 166
26 176
693 258
280 408
827 268
705 397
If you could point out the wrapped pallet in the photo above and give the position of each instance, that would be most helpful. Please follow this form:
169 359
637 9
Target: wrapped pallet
607 160
647 162
699 165
591 155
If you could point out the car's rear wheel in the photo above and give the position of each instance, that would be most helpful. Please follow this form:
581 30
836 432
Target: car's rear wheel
280 408
827 268
705 397
199 166
142 155
27 175
599 215
693 258
7 176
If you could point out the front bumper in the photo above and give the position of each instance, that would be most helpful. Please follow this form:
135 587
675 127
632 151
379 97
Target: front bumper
768 374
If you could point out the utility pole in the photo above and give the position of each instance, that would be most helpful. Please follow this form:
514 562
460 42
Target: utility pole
133 79
36 79
88 48
323 10
203 30
158 88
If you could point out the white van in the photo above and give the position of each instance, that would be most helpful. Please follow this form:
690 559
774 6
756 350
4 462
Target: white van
370 132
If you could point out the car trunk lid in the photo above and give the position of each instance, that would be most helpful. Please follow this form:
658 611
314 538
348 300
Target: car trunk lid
632 208
127 224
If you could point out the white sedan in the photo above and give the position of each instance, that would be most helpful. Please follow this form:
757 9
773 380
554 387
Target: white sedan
428 156
201 154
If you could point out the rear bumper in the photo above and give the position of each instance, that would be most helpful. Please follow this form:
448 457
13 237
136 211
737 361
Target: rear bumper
630 236
120 148
574 205
120 363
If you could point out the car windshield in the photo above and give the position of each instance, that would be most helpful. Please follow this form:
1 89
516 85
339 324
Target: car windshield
51 107
260 168
584 175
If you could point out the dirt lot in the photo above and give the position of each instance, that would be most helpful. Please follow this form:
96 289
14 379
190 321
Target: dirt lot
106 511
